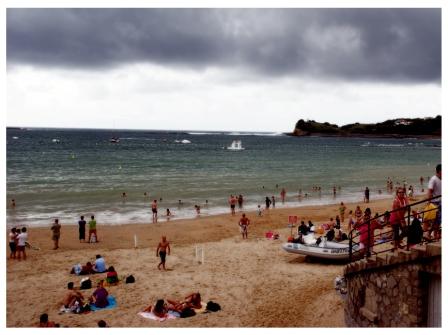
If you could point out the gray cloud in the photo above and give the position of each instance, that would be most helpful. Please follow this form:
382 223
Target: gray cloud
350 44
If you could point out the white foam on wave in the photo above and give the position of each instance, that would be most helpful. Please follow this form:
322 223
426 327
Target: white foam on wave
254 134
203 133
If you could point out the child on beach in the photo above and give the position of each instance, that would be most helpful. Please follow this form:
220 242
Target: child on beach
111 276
260 212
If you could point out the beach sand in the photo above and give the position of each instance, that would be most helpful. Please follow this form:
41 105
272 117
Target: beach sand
256 283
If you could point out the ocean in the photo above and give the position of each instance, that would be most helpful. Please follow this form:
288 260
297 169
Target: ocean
65 173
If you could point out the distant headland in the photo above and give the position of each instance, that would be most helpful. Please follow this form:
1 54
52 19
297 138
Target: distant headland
430 127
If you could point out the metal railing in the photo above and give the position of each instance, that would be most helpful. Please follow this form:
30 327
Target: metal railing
355 252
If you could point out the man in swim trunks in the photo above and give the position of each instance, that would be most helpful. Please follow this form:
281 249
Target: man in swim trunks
244 223
232 202
154 210
56 228
162 249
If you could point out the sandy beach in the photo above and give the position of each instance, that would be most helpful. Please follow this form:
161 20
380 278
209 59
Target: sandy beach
256 283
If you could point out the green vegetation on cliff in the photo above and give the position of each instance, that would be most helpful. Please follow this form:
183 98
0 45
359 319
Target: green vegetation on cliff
396 128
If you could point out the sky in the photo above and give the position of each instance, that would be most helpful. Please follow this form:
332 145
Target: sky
220 69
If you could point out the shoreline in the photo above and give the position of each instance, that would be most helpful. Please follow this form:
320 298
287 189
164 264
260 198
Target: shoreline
190 214
243 276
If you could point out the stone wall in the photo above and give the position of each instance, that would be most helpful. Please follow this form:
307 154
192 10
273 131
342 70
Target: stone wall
391 289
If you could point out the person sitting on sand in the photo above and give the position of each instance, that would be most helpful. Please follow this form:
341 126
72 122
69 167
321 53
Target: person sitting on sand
102 324
73 297
192 300
159 309
44 323
87 269
99 296
112 276
100 264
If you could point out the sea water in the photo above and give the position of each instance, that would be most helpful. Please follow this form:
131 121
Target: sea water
63 174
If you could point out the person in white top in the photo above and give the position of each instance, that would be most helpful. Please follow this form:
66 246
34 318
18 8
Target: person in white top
435 185
21 243
434 190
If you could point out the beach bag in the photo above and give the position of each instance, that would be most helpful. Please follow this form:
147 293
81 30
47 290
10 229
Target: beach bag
187 312
130 279
213 306
86 283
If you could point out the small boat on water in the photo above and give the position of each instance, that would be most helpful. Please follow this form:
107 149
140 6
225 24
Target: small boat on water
236 145
325 249
114 140
56 140
182 141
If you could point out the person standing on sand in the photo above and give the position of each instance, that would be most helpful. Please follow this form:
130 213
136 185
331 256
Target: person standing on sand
268 202
240 201
244 223
154 211
342 209
92 229
283 195
82 229
273 201
56 228
21 243
232 202
13 243
397 217
162 249
366 195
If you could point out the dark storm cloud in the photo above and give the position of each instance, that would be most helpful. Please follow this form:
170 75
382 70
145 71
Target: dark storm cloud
351 44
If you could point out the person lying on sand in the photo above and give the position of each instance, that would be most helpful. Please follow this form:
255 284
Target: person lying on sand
159 309
192 300
73 297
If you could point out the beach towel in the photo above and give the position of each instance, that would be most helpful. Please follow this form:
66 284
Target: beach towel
150 315
112 304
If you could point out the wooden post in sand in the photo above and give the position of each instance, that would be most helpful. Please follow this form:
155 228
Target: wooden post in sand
135 241
199 250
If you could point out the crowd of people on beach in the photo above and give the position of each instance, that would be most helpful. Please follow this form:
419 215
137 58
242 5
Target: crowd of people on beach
393 225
